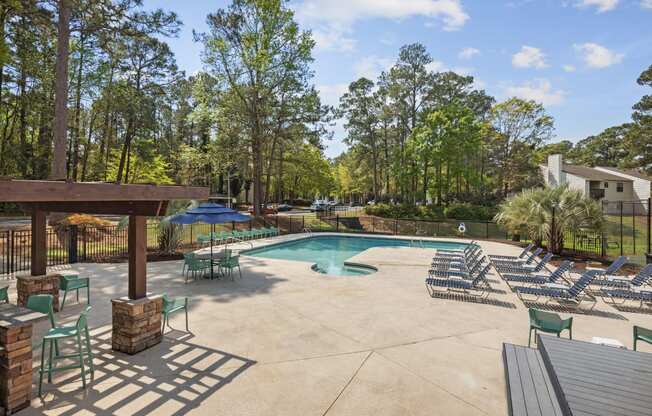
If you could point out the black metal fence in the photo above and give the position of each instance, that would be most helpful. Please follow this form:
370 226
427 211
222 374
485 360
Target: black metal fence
628 232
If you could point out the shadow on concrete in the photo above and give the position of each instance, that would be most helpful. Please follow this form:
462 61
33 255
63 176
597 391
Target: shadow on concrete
556 307
171 378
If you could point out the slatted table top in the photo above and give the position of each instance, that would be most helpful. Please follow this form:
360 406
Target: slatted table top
598 380
13 316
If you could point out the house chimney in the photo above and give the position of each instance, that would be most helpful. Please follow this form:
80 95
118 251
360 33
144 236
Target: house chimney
555 165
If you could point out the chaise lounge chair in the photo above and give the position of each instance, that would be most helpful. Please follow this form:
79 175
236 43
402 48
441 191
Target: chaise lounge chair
540 279
622 290
524 268
574 295
478 287
509 258
527 260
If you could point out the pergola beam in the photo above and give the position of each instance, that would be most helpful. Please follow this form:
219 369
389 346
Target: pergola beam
146 208
14 190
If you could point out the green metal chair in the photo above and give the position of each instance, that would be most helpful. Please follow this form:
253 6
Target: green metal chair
642 334
171 306
548 322
71 282
229 262
194 265
75 332
44 304
4 294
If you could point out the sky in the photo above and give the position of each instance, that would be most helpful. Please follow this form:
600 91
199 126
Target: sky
580 58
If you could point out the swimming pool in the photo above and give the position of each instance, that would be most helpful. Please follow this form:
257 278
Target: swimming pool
330 253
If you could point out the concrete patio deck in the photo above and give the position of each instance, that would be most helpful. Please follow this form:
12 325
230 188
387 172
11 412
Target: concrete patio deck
285 340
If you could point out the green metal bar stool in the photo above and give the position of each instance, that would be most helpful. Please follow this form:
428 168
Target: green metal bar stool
44 305
66 332
4 294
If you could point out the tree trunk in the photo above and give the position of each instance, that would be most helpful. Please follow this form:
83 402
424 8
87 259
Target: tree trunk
58 170
76 130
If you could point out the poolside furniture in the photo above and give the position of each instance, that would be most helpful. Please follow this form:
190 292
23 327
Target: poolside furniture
194 265
573 295
539 279
617 291
548 322
4 294
642 334
478 287
472 245
457 260
613 267
527 260
470 273
508 258
171 306
644 276
523 268
462 267
83 352
476 250
228 263
203 239
72 281
44 304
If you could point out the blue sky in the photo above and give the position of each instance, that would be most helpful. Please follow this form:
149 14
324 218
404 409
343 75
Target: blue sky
580 58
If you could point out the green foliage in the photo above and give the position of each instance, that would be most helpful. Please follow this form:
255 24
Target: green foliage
547 213
467 211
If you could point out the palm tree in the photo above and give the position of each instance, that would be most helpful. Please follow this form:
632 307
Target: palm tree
547 213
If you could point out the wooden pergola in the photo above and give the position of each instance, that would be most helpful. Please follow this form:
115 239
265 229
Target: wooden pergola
136 201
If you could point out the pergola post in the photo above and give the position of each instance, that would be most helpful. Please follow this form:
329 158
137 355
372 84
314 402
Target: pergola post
137 256
39 260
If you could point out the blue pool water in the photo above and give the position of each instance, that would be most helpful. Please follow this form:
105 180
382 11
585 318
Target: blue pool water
329 253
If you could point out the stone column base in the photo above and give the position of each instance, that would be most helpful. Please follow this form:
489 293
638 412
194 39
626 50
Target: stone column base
136 323
15 368
38 285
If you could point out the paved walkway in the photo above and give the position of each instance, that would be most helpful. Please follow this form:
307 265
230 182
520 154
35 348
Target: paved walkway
284 340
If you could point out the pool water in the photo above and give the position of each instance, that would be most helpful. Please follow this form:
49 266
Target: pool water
329 253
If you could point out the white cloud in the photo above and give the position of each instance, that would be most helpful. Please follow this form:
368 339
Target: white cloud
371 66
646 4
468 53
601 5
332 21
539 90
597 56
569 68
330 94
529 57
436 66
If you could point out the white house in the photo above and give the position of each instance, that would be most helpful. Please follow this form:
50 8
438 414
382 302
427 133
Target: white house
605 184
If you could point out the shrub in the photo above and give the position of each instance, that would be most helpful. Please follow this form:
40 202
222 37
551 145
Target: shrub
466 211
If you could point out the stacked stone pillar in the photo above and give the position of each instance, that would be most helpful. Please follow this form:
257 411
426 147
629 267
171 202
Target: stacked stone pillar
15 367
136 323
38 285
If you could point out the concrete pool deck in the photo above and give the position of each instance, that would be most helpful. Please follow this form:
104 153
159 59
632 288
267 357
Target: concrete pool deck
285 340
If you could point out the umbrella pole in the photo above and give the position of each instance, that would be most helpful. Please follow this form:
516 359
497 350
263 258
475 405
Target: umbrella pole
212 234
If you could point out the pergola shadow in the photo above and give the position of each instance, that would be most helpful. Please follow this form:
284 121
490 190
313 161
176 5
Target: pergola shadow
171 378
460 297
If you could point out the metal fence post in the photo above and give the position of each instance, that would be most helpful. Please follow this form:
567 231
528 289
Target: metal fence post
10 241
486 224
303 222
83 237
649 225
621 228
373 225
72 244
337 223
396 226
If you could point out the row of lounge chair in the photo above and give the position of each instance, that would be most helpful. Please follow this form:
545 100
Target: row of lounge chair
463 271
226 236
531 280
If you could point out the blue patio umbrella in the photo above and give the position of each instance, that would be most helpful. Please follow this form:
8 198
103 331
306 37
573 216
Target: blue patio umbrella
209 213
